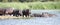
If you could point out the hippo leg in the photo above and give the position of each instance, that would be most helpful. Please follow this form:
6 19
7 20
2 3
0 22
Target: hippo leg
10 14
16 15
1 14
28 15
19 14
25 15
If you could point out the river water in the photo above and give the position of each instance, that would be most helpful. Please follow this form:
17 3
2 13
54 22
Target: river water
35 20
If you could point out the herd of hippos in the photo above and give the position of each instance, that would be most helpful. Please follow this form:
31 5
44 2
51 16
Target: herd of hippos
24 12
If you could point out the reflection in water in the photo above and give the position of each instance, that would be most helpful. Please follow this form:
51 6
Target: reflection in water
34 21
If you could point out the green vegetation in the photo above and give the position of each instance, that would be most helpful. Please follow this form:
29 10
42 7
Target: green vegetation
32 5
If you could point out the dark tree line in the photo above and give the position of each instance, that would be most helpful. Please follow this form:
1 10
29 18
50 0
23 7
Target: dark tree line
26 0
35 0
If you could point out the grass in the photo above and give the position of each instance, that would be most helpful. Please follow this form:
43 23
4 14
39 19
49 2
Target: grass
32 5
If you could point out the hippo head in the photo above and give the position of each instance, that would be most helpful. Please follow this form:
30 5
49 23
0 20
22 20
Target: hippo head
45 14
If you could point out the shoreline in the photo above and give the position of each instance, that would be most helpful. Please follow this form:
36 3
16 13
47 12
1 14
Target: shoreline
14 17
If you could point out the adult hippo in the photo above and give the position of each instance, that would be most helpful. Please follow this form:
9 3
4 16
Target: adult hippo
2 11
17 12
26 12
9 10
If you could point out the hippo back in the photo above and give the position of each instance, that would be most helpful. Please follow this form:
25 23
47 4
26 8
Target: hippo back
9 10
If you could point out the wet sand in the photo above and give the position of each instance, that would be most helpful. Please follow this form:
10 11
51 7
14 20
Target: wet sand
13 17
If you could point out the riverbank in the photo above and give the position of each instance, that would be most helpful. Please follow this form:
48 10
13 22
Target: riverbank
14 17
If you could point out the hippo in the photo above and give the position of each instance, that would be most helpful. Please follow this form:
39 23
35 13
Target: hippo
36 15
46 14
17 12
26 12
9 10
2 11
